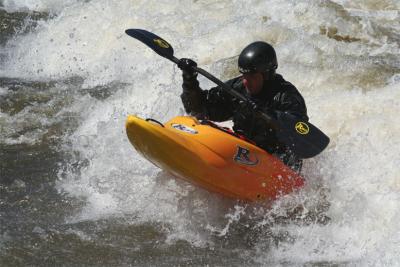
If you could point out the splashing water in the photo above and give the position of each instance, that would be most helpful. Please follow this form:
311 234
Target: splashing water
72 80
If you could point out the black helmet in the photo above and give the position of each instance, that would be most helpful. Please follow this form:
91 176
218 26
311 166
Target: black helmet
257 57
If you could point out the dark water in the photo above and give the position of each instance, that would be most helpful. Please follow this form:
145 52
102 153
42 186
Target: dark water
18 22
34 231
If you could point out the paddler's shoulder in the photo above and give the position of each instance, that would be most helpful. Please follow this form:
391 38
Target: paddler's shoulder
283 84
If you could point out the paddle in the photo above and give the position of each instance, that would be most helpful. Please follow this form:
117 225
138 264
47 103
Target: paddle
303 138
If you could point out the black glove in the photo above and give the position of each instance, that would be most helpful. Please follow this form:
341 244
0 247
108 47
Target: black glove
247 108
186 65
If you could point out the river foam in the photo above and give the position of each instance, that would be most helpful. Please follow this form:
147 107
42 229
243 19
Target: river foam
343 57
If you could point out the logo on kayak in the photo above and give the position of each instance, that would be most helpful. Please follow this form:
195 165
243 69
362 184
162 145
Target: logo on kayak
161 43
302 127
243 156
183 128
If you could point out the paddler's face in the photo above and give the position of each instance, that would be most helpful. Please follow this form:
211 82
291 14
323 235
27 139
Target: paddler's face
253 82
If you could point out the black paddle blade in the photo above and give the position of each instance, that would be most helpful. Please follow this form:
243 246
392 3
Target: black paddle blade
159 45
303 138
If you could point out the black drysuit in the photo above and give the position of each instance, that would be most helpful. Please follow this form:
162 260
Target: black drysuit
277 95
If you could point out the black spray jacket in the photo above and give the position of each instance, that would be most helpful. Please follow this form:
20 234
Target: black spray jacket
215 104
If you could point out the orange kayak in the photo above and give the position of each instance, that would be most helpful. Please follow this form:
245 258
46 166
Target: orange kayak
212 158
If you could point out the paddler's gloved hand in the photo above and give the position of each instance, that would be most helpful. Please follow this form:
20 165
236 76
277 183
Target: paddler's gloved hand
186 65
247 108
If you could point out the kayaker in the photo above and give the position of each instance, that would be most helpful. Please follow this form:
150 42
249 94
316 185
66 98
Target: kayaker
266 91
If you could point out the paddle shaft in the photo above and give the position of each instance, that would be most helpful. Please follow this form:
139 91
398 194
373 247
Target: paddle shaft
229 90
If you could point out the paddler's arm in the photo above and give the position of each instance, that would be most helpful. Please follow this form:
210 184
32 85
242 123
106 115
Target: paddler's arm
287 101
213 104
291 101
192 95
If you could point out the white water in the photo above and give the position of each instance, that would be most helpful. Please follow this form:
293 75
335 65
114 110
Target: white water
351 90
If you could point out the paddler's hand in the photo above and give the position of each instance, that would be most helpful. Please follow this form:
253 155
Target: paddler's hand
247 108
186 65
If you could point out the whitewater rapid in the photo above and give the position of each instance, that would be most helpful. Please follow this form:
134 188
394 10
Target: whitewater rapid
342 55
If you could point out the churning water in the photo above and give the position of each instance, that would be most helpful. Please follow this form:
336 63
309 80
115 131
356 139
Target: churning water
73 192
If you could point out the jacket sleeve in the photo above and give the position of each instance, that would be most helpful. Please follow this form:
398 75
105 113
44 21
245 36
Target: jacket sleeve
214 104
290 101
193 97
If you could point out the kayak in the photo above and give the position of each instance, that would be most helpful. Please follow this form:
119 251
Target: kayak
212 157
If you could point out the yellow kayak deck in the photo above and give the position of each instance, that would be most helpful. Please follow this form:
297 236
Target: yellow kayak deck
212 158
